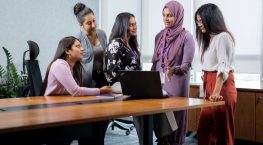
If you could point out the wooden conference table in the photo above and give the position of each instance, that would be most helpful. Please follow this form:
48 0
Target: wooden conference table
36 120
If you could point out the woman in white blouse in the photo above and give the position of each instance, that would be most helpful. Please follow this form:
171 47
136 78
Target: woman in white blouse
216 43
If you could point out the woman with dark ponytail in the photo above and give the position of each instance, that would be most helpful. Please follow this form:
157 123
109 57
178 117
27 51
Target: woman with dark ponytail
94 41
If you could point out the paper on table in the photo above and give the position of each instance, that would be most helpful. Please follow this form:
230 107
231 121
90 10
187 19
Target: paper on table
105 96
116 88
109 95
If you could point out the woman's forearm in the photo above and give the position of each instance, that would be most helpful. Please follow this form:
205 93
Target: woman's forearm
218 85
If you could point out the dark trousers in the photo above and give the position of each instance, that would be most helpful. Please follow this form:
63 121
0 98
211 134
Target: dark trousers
178 137
97 136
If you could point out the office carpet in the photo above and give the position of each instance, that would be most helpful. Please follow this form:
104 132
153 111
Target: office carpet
119 137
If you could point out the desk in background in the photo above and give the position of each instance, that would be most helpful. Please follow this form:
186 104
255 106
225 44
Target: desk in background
249 112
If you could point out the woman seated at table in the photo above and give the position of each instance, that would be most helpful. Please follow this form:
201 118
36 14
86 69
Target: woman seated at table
63 76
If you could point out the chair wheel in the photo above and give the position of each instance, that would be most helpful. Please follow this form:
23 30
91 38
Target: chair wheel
128 132
132 127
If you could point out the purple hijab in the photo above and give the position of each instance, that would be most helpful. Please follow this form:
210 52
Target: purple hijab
174 36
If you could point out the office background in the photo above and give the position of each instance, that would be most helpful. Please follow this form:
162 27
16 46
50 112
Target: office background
46 22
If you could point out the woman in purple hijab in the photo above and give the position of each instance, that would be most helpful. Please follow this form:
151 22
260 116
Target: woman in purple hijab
173 55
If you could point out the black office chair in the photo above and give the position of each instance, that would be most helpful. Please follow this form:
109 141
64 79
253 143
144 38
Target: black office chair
116 88
126 120
32 71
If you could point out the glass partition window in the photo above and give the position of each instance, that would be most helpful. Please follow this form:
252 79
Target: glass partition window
244 20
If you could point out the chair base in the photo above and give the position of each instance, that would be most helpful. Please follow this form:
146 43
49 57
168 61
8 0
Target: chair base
127 129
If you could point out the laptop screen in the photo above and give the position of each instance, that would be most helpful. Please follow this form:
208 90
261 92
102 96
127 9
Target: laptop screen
141 84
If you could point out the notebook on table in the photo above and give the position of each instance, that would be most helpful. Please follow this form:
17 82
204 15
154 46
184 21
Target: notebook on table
141 84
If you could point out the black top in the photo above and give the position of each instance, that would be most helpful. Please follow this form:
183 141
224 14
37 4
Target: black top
119 56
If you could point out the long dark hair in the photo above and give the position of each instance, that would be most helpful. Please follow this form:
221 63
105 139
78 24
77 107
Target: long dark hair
80 10
213 21
64 45
120 29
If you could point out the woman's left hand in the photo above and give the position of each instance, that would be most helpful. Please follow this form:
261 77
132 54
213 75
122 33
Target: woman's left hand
215 98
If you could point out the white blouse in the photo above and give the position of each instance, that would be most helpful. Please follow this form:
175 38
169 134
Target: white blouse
220 55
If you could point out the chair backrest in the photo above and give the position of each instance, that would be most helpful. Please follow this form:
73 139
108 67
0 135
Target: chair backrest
35 78
31 69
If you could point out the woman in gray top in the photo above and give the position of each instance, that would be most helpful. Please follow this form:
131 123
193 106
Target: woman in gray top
94 42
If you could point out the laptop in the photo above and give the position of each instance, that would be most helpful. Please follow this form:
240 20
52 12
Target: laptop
141 84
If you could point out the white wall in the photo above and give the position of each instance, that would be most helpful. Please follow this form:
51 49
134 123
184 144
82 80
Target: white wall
43 21
111 8
261 53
